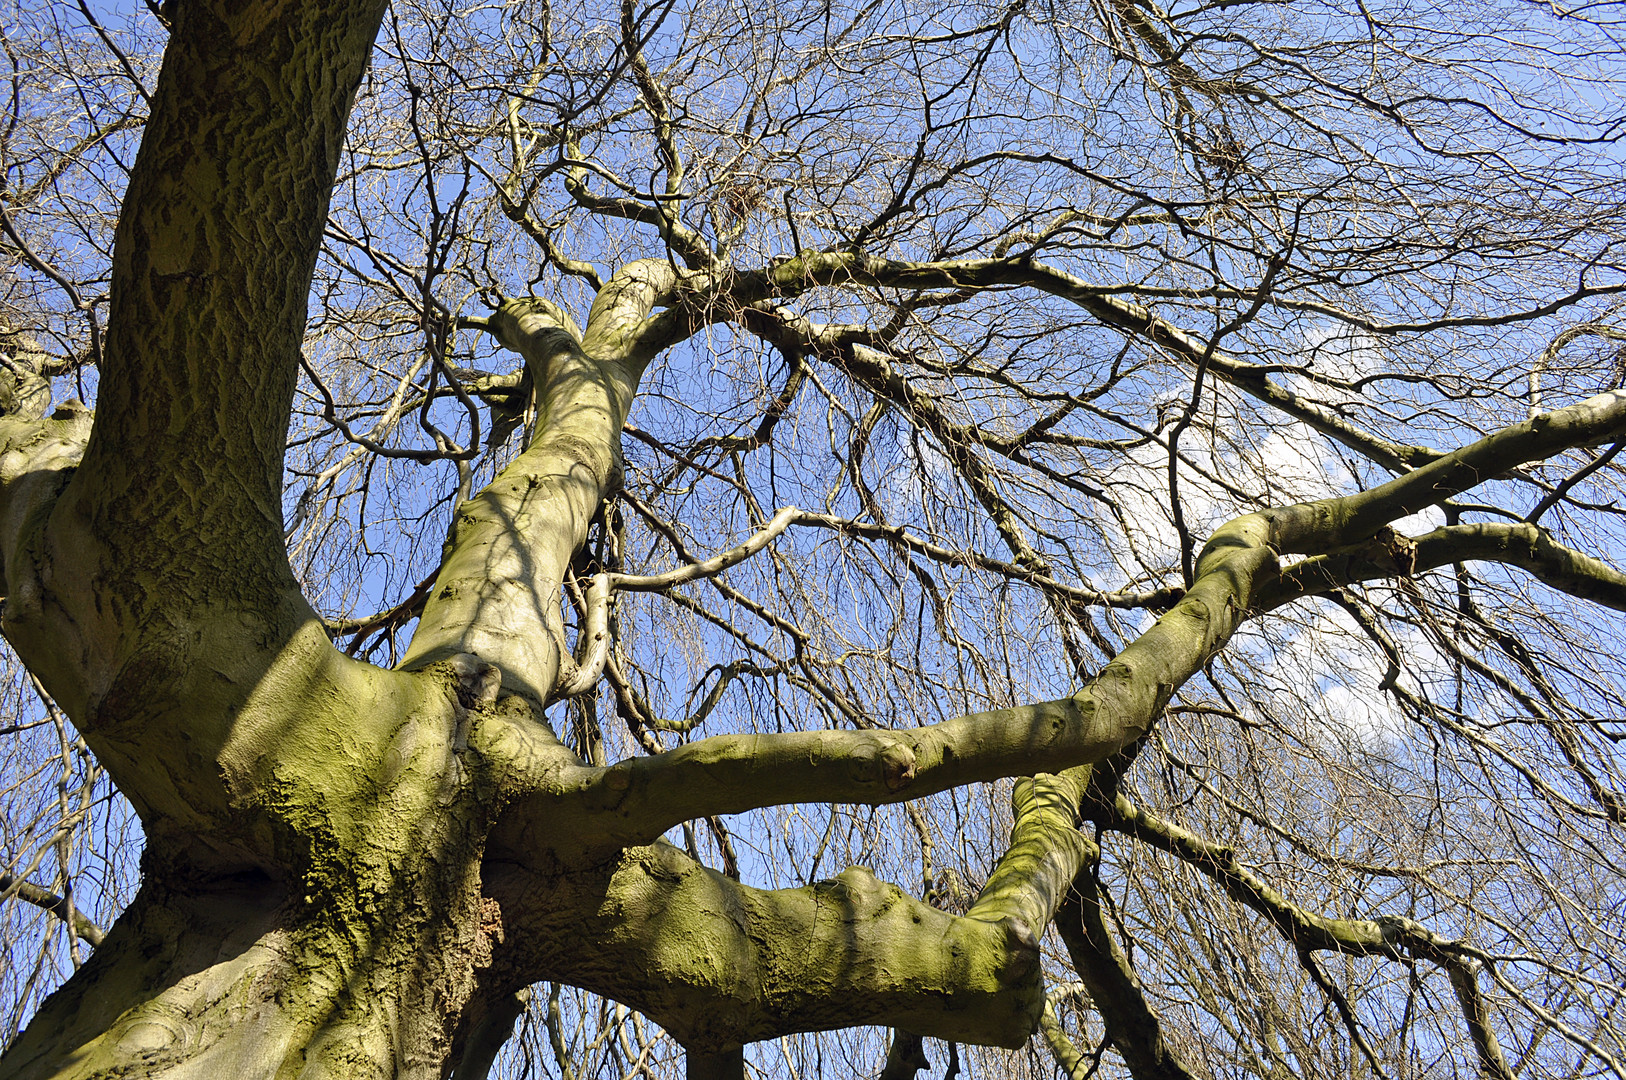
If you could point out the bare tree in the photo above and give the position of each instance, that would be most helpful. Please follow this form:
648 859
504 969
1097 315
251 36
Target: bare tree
1050 539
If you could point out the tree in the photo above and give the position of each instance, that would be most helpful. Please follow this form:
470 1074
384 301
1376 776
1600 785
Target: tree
1206 417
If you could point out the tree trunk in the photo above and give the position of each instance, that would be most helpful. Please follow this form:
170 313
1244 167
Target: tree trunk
352 871
228 980
353 954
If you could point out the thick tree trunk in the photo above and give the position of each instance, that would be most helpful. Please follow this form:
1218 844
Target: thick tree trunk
351 871
218 981
350 950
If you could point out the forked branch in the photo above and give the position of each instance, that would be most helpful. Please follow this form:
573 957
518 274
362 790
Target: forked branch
638 800
593 646
1388 936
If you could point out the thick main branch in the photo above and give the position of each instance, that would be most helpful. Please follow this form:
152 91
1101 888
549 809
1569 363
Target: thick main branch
176 511
637 800
498 592
718 963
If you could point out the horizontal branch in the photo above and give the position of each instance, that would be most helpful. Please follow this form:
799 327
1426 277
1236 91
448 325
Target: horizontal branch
637 800
1156 599
83 928
716 564
1526 546
738 964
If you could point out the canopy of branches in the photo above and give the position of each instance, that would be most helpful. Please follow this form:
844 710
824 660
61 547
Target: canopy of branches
1010 308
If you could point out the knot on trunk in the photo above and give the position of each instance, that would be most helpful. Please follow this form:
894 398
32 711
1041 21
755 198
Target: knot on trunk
474 681
891 761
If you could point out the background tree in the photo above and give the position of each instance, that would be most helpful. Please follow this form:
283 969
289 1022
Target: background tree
586 496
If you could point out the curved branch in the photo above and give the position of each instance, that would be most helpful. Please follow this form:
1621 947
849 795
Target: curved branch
635 801
905 1057
1524 545
1061 1047
832 954
37 460
1555 496
595 634
497 593
1044 855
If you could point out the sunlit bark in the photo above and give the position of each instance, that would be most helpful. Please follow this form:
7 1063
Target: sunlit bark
356 870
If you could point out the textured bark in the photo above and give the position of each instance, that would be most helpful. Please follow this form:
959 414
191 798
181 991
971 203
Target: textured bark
175 520
164 606
311 885
245 975
351 871
720 964
340 929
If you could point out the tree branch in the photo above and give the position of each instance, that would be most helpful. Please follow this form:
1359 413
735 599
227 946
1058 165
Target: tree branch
835 953
182 480
81 926
486 1040
1133 1027
1386 936
1061 1047
155 597
905 1057
498 592
810 269
1526 546
741 965
594 639
637 800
